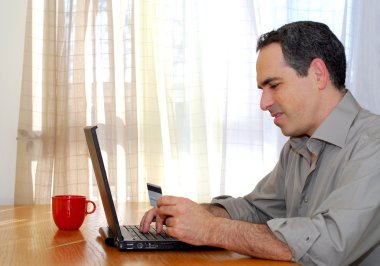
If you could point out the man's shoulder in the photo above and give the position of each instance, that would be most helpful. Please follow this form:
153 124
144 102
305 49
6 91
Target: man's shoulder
366 125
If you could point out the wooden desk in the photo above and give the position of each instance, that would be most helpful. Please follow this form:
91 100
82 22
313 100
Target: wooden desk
28 236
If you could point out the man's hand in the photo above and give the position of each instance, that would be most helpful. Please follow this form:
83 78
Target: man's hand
185 219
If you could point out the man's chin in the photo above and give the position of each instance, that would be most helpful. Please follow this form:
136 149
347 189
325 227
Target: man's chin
290 133
284 131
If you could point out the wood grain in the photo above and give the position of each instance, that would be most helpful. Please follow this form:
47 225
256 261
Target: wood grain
28 236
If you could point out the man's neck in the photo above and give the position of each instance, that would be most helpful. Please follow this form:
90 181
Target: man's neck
329 100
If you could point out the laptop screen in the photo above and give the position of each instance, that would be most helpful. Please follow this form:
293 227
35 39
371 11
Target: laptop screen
101 178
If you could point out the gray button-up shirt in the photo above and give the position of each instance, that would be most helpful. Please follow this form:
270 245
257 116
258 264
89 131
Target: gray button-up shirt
326 210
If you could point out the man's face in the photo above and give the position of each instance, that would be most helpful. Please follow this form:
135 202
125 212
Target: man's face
292 100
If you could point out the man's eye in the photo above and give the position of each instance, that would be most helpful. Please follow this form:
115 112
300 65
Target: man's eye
273 86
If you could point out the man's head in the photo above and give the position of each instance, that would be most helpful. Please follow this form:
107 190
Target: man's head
303 41
301 72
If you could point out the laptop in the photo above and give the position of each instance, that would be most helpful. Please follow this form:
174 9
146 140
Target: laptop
124 237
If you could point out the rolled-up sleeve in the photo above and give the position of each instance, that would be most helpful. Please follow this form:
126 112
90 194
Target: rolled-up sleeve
300 242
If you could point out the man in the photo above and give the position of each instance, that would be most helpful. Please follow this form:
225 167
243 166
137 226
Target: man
320 204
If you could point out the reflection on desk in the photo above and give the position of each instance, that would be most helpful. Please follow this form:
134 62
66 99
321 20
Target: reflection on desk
28 236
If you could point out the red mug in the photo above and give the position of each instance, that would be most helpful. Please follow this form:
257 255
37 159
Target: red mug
69 211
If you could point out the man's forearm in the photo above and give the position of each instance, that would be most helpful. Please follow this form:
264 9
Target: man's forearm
255 240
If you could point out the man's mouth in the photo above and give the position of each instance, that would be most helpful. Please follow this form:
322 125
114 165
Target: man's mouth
277 117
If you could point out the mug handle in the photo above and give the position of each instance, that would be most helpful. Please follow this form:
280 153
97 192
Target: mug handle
93 206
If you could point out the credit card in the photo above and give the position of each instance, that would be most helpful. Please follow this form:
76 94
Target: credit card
154 192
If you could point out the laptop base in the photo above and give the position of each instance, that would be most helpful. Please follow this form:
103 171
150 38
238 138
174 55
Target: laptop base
125 245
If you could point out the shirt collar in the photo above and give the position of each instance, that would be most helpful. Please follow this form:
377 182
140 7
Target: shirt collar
334 129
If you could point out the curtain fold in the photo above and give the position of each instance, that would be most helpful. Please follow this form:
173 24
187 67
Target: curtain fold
37 132
171 85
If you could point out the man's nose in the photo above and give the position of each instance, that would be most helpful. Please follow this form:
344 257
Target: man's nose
266 100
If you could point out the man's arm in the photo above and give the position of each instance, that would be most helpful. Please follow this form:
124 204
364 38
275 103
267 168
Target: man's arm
210 224
255 240
238 235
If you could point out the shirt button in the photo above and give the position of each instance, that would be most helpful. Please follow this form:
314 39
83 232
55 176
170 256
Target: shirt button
306 200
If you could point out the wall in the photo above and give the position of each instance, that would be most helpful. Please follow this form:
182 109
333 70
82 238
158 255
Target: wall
12 32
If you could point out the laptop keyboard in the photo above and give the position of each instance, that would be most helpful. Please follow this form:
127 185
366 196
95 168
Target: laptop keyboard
134 233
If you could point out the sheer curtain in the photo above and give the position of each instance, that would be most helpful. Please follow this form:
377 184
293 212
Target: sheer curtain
77 72
363 41
171 85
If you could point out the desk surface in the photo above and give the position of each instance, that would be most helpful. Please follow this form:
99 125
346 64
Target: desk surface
28 236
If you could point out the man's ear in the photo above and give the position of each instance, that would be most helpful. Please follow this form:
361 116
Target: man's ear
320 73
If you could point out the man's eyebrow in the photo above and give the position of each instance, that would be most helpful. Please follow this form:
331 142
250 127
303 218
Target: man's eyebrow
267 81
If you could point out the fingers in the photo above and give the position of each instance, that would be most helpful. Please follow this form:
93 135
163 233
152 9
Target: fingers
147 219
160 221
168 201
166 207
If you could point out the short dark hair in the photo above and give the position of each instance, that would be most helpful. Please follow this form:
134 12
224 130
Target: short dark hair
303 41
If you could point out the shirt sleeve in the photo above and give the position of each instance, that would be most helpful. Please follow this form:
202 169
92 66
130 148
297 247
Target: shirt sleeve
241 209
